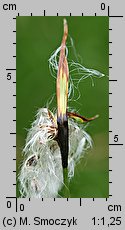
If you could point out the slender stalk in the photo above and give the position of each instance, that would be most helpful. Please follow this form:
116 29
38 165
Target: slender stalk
62 99
66 192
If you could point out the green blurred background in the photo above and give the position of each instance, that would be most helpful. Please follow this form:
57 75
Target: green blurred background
37 38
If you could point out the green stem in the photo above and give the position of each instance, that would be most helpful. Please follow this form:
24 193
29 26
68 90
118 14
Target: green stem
66 193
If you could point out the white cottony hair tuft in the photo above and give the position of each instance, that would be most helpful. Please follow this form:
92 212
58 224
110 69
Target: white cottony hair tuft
77 72
54 61
41 174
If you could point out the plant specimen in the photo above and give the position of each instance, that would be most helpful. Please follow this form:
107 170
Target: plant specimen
56 141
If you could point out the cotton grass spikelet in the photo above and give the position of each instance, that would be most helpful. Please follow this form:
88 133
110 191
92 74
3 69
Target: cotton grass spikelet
56 141
41 173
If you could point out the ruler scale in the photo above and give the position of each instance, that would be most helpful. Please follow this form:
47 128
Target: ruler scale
77 213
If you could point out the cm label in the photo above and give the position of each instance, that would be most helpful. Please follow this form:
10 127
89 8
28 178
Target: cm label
9 6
